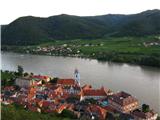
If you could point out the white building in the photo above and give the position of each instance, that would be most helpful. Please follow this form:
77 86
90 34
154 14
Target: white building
23 82
27 82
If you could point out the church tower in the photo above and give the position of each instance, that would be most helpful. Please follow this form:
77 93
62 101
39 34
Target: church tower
77 76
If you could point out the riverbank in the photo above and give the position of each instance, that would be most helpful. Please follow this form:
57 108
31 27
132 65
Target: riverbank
119 76
142 60
13 90
133 50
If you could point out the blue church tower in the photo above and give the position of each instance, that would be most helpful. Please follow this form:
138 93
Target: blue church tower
77 76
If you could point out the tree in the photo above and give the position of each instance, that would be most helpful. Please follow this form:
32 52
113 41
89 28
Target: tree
68 114
54 80
43 82
3 82
26 74
31 74
20 70
145 108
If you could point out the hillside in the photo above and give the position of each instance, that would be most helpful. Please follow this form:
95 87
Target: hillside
31 30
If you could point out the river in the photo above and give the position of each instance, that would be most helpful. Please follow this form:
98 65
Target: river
140 81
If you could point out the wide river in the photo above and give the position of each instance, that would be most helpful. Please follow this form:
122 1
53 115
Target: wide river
142 82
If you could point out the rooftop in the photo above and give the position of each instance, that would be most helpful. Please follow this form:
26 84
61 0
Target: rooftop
69 82
94 92
122 98
143 115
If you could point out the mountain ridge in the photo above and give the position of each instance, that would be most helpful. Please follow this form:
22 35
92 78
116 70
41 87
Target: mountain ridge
30 30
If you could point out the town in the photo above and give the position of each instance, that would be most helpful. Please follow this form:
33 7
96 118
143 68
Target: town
45 94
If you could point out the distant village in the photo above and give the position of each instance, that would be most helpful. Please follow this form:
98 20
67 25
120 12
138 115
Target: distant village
74 50
45 94
64 49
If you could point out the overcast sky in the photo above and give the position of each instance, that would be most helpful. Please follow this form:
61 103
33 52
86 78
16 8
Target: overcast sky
12 9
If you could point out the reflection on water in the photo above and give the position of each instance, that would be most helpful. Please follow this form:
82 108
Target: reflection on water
141 81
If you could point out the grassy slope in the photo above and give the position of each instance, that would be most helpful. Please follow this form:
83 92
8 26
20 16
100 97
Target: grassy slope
117 49
120 49
122 44
12 112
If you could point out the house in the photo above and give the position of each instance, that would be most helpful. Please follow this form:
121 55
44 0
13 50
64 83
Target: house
66 82
24 82
96 112
31 80
44 104
123 102
31 93
85 87
9 88
27 81
21 99
140 115
55 92
72 89
61 107
33 108
40 77
95 93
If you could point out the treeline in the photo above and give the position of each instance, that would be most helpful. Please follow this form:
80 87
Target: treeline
146 60
8 77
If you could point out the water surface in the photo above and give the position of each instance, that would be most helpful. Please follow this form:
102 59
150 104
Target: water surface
142 82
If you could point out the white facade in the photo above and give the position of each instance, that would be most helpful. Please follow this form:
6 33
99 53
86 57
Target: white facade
23 82
77 76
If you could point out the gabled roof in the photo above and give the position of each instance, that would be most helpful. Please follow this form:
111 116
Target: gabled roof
101 112
69 82
61 107
143 115
44 103
94 92
9 88
123 98
85 87
40 77
32 108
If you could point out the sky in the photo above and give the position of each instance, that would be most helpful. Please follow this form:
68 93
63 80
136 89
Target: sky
12 9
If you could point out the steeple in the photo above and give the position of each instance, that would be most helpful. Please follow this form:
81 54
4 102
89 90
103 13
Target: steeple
77 76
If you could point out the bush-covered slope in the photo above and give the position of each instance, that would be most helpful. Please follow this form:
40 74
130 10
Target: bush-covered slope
34 30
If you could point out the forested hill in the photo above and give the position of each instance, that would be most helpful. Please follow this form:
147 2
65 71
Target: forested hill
31 30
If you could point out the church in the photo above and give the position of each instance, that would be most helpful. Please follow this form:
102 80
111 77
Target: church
71 86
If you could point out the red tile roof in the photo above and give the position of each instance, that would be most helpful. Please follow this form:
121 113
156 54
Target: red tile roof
108 108
101 112
69 82
44 103
32 108
123 98
31 93
61 108
9 88
40 77
94 92
85 87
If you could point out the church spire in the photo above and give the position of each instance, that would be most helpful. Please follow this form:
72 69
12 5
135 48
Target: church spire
77 76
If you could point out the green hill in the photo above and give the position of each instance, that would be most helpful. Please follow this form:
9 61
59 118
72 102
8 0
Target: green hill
31 30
